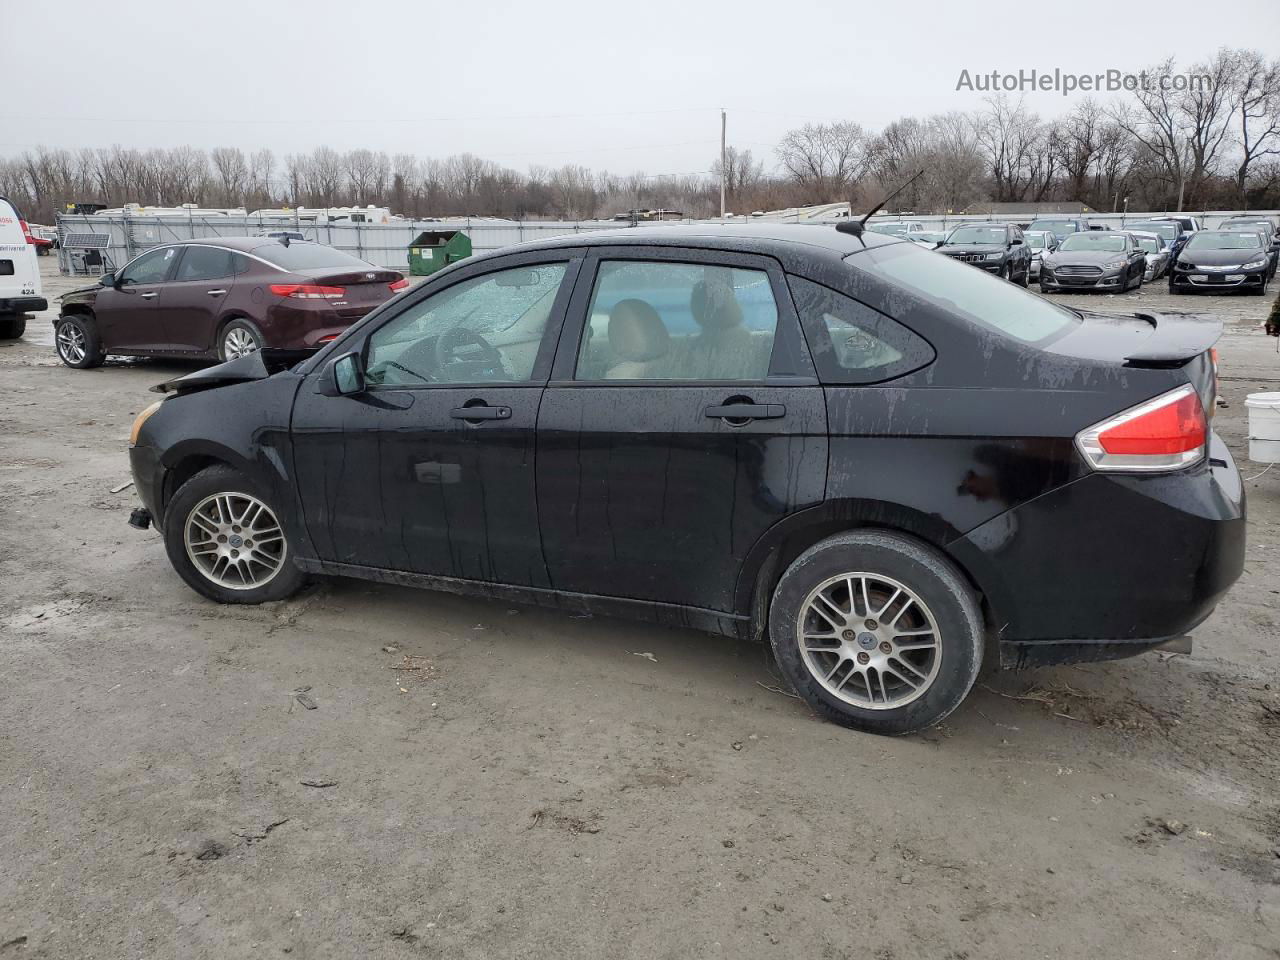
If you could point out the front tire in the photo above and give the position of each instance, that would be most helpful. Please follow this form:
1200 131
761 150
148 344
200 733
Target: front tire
239 338
77 341
877 632
226 541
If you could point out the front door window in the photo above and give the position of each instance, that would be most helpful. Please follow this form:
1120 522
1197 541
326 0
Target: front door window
484 330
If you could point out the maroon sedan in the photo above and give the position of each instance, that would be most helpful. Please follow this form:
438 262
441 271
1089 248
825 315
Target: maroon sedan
221 298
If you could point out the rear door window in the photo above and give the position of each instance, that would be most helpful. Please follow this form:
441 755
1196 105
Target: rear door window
204 263
852 343
666 320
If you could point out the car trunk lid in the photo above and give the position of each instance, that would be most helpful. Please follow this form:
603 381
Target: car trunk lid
363 289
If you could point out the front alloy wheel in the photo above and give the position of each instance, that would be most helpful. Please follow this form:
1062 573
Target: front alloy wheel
226 541
235 541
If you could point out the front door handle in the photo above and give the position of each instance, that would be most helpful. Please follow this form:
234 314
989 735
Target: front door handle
148 296
215 293
747 411
481 412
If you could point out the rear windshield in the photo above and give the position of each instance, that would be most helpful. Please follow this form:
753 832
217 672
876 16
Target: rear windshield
1244 240
976 295
977 235
1248 224
1108 243
1166 230
1054 226
307 256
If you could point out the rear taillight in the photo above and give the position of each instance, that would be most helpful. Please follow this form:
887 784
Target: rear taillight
398 285
1162 434
26 231
307 291
330 337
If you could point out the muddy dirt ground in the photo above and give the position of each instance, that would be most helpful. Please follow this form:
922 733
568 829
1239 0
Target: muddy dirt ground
482 780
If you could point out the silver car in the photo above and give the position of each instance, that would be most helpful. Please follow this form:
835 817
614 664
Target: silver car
1042 243
1157 254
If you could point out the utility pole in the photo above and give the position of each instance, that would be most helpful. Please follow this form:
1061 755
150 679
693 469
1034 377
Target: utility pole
724 120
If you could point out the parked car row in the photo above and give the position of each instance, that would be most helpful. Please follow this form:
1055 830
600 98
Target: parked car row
1070 253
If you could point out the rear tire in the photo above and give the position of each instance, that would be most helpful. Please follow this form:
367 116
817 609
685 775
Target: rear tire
871 673
239 338
12 327
233 569
76 339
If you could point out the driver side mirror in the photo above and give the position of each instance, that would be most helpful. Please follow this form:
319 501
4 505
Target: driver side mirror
107 280
343 377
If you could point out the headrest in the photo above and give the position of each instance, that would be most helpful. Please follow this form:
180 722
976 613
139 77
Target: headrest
714 305
636 332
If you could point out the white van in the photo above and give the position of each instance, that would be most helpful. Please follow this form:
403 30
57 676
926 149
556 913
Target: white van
19 273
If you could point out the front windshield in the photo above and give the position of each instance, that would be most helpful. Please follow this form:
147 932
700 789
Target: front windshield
1166 230
977 296
892 229
977 235
1245 240
1035 242
1101 242
1149 244
1054 226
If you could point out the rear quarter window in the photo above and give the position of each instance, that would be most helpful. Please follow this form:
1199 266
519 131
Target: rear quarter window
852 343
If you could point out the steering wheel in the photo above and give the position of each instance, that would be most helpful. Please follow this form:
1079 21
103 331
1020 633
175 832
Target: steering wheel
486 364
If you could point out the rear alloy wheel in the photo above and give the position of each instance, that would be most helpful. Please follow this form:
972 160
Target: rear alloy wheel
877 632
226 541
239 339
77 342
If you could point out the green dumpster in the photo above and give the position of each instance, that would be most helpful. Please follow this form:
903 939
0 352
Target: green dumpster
436 249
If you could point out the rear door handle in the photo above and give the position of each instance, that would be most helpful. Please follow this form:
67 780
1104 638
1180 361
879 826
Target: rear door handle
148 296
481 413
747 411
215 293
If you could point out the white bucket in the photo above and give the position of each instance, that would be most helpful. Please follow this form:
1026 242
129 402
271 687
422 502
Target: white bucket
1264 427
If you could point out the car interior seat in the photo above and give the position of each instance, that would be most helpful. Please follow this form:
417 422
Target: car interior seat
639 337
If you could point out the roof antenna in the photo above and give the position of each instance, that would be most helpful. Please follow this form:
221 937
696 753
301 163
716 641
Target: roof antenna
856 227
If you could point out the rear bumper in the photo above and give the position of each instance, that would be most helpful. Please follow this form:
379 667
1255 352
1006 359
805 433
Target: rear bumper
1110 565
306 325
23 304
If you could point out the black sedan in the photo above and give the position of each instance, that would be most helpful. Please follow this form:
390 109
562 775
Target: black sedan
889 465
1218 260
1103 260
997 248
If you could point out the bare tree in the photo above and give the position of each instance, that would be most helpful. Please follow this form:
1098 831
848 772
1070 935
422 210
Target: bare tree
1207 109
825 159
1256 103
232 171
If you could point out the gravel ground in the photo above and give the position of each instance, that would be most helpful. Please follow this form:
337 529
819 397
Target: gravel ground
481 780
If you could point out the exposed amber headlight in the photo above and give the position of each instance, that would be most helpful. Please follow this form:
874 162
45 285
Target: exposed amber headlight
142 418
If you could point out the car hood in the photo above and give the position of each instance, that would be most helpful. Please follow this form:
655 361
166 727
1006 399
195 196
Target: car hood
1091 257
81 294
1139 339
254 366
972 248
1221 258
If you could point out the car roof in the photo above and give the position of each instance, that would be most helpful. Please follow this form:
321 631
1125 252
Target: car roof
756 237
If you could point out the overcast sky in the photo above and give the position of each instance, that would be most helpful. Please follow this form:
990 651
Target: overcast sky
612 86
